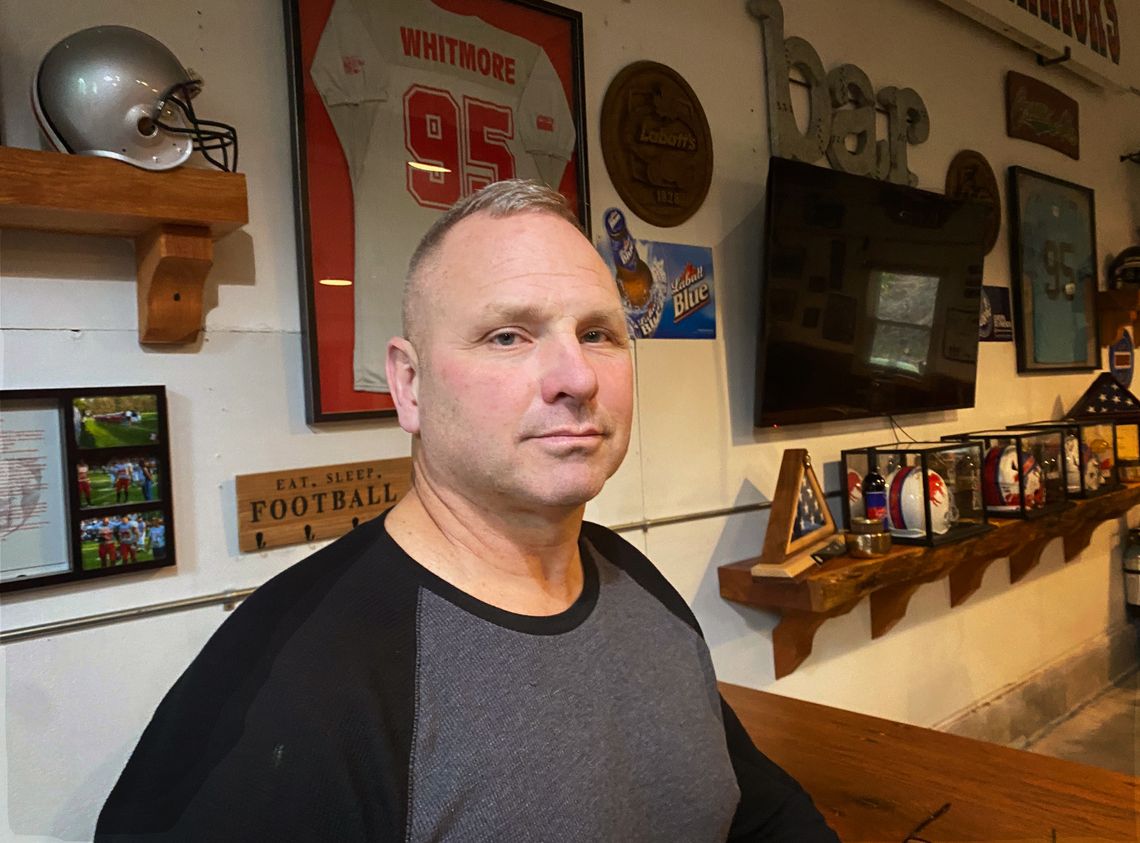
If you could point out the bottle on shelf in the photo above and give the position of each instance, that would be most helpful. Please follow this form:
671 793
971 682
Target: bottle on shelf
875 495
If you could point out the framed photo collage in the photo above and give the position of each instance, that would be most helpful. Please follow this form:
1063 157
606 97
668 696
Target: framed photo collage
85 487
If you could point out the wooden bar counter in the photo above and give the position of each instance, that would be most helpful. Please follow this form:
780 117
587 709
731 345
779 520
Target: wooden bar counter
876 780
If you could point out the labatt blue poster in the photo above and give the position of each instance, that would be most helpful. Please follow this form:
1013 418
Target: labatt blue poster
667 288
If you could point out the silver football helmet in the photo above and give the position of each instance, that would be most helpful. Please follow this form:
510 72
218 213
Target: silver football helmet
116 92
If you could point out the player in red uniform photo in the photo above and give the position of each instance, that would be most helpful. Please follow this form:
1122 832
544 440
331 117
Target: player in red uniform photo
84 481
128 539
107 553
123 481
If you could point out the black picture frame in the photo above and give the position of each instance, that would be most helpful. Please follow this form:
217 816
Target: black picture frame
1053 273
100 427
327 311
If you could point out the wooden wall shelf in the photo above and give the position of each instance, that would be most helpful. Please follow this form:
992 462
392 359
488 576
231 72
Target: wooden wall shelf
1117 310
173 217
837 586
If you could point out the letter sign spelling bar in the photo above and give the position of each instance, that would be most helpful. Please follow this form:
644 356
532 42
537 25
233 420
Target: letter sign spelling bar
841 105
301 505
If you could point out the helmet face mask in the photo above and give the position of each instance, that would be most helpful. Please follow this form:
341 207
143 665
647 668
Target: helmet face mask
213 140
115 92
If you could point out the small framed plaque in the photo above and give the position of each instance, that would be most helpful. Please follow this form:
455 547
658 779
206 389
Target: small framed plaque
84 484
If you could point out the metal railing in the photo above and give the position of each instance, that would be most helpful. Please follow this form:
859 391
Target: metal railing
231 598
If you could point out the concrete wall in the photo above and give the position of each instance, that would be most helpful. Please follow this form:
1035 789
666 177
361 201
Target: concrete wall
73 704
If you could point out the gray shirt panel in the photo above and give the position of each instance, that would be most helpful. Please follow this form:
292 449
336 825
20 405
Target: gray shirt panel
610 730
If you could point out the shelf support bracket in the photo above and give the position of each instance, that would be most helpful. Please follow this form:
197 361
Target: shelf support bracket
792 638
173 261
967 579
888 605
1025 558
1064 57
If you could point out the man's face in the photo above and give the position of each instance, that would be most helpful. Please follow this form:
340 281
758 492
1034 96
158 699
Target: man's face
525 382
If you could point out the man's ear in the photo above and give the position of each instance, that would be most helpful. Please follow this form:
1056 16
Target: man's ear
403 367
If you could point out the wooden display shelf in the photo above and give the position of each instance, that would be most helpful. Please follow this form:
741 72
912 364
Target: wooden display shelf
173 217
1117 310
837 586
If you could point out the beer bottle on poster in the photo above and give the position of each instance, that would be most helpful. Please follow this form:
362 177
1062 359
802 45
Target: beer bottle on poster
634 278
875 495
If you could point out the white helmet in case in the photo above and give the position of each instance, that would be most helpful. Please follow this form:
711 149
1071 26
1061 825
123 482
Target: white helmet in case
1001 480
115 92
906 511
1079 460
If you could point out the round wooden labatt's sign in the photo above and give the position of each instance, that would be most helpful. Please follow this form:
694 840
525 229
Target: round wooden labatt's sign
971 177
656 143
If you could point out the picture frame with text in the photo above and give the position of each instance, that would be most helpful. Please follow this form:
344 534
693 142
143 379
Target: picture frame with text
85 488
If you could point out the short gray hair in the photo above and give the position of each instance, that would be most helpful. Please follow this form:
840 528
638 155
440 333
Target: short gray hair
505 198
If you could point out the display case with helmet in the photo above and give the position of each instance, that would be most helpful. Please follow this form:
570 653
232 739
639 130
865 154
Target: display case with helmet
1107 400
933 489
1128 448
1022 473
1089 462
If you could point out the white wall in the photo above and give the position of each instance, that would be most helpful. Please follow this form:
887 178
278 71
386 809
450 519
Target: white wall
74 703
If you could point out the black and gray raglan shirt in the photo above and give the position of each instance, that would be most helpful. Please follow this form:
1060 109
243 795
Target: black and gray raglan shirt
357 696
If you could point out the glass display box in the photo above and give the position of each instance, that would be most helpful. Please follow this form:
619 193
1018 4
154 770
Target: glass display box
1127 442
1089 464
933 489
1022 473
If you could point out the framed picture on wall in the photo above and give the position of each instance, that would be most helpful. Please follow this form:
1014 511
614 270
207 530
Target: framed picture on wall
1053 264
401 108
84 484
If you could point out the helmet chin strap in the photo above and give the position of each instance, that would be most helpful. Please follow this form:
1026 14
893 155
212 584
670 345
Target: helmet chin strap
207 136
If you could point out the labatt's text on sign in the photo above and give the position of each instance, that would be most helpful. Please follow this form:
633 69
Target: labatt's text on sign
313 504
841 108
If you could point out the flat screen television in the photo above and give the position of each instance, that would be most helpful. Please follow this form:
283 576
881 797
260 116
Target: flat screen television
869 301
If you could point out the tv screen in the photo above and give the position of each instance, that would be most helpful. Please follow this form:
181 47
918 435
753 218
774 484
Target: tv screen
869 303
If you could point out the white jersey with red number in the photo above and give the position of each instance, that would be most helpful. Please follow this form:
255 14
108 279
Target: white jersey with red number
408 82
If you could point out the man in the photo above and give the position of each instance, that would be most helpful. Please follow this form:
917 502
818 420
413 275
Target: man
477 664
128 536
123 481
141 477
157 534
84 477
107 553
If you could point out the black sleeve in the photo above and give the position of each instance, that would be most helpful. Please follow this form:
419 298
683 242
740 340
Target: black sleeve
773 807
292 724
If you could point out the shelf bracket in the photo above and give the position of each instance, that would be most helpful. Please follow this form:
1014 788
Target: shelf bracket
1064 57
967 578
793 635
173 261
888 605
1025 558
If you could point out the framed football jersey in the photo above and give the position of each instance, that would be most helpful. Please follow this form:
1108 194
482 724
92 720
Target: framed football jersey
1053 264
401 108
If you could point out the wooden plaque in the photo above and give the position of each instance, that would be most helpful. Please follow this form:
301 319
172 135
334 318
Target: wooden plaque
1041 114
970 176
656 143
302 505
